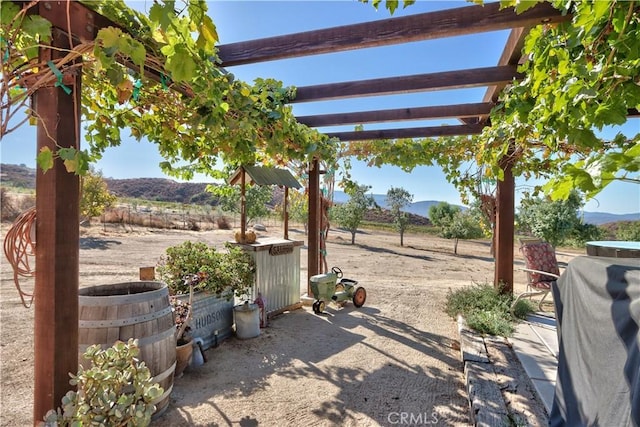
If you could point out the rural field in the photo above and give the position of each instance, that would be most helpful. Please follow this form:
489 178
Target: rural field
398 354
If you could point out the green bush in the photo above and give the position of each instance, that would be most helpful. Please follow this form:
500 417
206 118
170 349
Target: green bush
485 309
221 271
629 231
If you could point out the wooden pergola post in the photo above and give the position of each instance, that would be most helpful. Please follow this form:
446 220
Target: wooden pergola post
243 204
57 242
285 213
313 264
504 230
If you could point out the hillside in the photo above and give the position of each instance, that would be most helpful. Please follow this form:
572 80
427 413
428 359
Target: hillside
161 189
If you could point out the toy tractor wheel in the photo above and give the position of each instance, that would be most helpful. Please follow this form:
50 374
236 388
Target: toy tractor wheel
359 297
321 307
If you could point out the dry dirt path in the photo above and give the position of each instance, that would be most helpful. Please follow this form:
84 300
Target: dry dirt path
395 357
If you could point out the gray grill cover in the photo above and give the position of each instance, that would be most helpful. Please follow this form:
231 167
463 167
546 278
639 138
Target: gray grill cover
597 303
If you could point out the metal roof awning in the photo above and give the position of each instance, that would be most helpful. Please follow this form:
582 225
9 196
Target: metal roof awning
263 175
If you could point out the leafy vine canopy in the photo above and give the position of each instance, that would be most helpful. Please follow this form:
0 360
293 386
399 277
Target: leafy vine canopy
157 76
582 76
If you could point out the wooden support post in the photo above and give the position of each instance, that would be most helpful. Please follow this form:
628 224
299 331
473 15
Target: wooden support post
58 244
313 265
286 213
243 205
505 213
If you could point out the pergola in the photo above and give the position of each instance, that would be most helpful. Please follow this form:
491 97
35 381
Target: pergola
57 191
473 117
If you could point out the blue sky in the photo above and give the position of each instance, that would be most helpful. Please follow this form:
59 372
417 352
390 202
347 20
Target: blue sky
246 20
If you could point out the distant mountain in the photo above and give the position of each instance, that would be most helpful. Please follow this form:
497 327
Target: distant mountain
422 208
599 218
417 208
162 189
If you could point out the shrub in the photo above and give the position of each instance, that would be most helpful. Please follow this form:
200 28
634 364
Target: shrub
223 223
13 205
486 309
232 270
628 231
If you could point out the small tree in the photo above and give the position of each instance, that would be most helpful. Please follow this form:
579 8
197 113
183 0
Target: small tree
350 214
455 224
298 208
398 198
463 225
551 220
442 214
257 200
95 195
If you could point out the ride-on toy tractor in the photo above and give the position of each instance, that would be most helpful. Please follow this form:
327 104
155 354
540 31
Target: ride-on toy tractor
327 288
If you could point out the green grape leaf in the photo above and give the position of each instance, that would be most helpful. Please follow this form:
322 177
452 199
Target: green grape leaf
181 65
36 25
524 5
45 159
109 37
68 153
162 13
8 12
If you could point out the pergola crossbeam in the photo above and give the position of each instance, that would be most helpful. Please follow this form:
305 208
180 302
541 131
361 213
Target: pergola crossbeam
397 115
446 80
419 132
424 26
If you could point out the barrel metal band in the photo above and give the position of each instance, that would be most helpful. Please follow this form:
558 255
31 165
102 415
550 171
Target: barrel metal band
106 300
164 374
124 322
152 339
142 342
164 395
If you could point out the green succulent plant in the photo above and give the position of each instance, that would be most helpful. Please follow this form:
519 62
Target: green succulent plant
116 390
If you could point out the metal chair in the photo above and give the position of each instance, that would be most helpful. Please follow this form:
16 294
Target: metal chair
541 268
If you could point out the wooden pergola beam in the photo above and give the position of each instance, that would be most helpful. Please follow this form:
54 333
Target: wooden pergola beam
397 115
420 132
424 26
445 80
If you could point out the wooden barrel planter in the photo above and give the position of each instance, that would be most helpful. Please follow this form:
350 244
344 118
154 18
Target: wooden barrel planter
139 310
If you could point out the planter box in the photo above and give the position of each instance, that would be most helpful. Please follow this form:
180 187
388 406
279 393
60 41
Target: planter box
212 318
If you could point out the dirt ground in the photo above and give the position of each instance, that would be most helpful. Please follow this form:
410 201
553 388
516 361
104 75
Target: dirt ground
395 357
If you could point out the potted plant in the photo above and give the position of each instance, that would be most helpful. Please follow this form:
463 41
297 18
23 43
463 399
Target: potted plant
223 276
182 312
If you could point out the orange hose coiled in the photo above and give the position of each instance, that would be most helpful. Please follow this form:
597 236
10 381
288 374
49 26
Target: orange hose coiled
19 247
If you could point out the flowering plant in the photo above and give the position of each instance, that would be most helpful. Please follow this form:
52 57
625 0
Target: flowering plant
182 309
182 314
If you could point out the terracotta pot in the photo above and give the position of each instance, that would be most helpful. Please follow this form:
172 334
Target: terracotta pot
183 358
